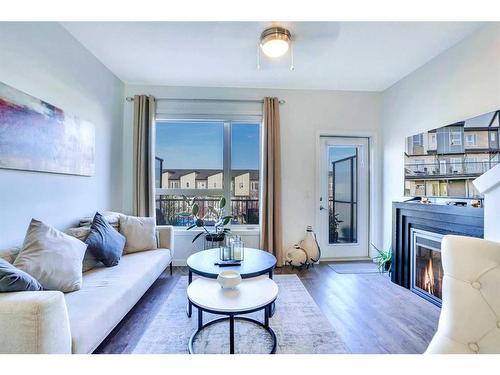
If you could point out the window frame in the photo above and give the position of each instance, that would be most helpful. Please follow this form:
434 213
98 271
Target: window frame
474 138
454 133
228 121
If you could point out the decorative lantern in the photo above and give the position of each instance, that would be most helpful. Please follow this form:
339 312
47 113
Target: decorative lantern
225 253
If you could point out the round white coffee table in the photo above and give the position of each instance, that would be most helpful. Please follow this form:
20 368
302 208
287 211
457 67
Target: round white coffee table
251 295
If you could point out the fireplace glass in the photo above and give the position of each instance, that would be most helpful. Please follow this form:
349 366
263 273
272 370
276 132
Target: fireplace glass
427 270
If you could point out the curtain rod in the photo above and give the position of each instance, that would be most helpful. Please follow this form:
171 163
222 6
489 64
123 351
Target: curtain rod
131 99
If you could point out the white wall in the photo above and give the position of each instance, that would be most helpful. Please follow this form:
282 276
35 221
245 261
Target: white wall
305 113
44 60
461 83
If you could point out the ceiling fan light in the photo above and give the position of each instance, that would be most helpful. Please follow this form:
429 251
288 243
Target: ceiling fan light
275 41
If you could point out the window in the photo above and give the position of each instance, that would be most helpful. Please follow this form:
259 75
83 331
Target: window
418 140
455 138
419 165
456 165
245 163
208 160
432 141
470 139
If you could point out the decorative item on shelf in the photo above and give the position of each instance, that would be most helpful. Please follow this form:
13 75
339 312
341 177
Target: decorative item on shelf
383 260
216 215
229 279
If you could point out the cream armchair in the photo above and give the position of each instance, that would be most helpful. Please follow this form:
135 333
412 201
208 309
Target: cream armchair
470 316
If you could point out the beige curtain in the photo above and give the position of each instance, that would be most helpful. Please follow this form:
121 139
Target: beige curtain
144 117
271 225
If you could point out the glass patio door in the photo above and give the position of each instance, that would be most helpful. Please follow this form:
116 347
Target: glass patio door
344 202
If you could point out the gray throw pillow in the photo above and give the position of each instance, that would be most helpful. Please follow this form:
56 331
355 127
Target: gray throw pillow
104 242
52 257
15 280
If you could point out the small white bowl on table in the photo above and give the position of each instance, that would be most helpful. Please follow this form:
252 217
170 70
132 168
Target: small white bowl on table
229 279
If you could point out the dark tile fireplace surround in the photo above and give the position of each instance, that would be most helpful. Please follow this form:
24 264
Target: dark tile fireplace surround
417 230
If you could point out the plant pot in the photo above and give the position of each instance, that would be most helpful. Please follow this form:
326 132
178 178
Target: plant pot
215 237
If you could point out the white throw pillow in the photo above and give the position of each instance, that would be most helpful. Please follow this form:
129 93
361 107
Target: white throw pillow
52 257
140 233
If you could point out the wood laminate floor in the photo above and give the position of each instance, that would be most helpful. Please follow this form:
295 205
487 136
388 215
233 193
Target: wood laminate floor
370 313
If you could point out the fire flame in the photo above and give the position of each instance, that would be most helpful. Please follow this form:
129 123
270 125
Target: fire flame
429 277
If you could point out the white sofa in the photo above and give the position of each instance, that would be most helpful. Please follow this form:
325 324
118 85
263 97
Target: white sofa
77 322
470 316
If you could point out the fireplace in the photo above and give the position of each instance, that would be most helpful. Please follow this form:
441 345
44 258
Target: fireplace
416 243
426 267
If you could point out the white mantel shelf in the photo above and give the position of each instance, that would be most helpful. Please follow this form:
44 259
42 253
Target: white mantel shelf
489 185
488 181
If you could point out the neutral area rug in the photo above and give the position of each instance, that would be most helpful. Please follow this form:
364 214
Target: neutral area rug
354 267
299 324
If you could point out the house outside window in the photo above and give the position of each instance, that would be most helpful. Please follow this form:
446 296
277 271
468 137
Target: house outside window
418 140
471 139
209 159
432 140
456 165
455 138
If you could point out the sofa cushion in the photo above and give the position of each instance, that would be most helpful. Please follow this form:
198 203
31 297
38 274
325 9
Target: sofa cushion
33 323
140 233
9 254
111 217
89 260
13 279
104 242
108 294
52 257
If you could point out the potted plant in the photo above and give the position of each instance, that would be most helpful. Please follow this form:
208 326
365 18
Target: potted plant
334 225
383 259
213 214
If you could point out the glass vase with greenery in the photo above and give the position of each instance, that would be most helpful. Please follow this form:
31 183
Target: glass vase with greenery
215 232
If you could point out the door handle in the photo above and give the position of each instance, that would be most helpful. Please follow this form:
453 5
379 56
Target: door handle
322 208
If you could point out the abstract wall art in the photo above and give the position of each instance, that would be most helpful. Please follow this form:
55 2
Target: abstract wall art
37 136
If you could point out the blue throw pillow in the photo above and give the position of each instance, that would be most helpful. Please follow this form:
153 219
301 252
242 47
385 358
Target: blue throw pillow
105 242
13 279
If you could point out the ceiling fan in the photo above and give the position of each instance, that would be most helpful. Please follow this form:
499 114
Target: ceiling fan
277 40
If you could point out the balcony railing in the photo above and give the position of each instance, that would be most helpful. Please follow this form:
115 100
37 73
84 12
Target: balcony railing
447 169
169 210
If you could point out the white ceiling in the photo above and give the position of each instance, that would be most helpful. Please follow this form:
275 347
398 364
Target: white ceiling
368 56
